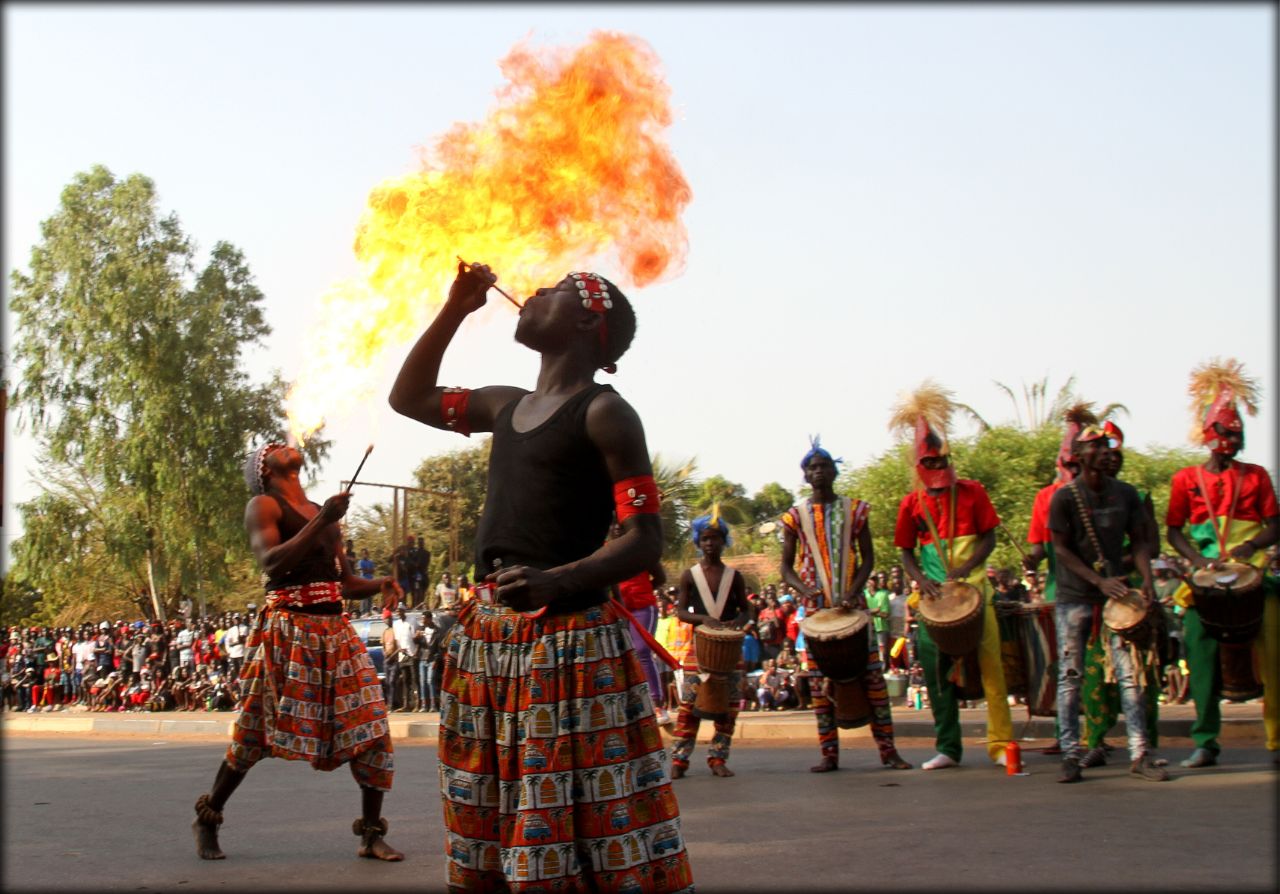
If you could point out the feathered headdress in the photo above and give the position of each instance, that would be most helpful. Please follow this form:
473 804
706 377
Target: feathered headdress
816 449
712 520
1215 388
926 414
1077 417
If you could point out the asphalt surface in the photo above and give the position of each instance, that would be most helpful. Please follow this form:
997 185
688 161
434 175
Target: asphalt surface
111 812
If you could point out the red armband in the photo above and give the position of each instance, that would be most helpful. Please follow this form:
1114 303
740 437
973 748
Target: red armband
636 496
453 410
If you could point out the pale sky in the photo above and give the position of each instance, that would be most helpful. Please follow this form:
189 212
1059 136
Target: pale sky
880 195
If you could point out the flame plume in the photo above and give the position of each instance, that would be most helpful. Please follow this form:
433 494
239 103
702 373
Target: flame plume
570 167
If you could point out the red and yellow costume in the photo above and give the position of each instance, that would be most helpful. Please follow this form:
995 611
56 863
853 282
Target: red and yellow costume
960 514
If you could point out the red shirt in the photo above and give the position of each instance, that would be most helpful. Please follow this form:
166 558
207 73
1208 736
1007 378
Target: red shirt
1038 530
1257 500
637 592
974 515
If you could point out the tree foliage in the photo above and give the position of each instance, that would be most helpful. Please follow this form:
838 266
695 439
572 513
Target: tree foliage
1013 464
131 380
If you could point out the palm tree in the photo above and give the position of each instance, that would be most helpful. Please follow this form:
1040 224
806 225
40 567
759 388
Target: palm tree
562 779
1037 410
597 844
675 484
644 835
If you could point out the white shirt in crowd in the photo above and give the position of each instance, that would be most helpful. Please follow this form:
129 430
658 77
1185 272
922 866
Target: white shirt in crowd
82 652
404 631
233 642
184 639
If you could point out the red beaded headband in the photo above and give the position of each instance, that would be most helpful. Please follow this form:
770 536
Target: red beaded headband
595 298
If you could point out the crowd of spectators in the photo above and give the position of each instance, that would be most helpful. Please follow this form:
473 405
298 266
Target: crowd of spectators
183 665
194 664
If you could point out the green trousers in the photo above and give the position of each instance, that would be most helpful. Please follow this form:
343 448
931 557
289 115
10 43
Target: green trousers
1100 701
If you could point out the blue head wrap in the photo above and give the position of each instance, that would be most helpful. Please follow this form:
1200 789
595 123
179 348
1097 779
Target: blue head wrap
712 520
816 449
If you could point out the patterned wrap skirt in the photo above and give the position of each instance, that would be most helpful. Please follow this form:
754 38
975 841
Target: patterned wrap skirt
552 768
311 693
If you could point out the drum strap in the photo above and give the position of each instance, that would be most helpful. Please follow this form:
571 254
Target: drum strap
950 556
1100 564
713 604
814 548
1225 531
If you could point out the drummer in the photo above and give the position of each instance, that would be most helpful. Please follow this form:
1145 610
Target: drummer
1089 520
1244 522
714 594
1076 418
952 522
831 575
1099 697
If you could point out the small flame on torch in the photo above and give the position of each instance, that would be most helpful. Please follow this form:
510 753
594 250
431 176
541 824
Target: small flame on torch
352 482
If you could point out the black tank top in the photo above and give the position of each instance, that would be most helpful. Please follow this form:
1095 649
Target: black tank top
319 563
550 497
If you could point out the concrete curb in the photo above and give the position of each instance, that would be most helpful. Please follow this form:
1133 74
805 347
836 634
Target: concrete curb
782 726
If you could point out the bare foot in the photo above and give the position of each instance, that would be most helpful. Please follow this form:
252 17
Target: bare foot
207 841
378 849
677 771
895 762
720 770
828 764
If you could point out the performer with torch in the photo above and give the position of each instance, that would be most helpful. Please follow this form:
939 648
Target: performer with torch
311 691
542 648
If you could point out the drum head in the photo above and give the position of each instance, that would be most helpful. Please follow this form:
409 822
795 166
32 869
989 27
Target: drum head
958 600
833 623
722 634
1233 575
1122 614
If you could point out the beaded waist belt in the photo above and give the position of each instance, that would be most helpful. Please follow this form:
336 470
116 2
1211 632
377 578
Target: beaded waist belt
305 594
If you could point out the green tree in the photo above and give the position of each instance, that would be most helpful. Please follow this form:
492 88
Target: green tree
770 502
131 378
448 514
1013 464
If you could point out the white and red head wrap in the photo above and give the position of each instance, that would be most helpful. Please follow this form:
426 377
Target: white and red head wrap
594 291
255 467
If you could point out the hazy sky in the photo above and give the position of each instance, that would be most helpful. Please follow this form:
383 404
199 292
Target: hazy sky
880 194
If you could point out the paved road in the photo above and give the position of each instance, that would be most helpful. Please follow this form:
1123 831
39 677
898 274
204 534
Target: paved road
108 813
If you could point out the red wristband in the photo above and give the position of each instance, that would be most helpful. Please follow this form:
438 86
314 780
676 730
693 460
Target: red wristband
636 496
453 410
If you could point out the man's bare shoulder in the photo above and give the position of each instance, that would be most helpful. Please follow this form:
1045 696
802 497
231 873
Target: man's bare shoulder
610 407
261 508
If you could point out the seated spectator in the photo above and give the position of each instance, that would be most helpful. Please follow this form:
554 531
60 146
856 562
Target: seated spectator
161 693
767 687
787 659
787 695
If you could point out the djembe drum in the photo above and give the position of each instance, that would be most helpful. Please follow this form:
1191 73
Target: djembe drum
719 652
839 641
954 620
1229 599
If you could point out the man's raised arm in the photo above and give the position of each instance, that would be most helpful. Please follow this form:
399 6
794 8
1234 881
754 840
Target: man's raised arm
416 393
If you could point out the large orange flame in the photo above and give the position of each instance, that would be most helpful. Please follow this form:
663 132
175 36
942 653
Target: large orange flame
568 170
